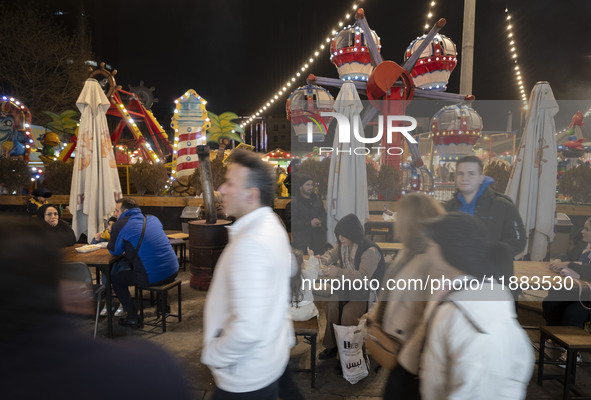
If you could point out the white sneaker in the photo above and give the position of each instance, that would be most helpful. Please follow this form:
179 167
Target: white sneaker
562 359
103 312
120 312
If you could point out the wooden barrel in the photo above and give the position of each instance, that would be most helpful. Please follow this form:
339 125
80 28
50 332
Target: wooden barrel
206 243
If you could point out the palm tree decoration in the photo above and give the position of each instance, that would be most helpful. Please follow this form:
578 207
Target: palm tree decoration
223 130
61 129
63 124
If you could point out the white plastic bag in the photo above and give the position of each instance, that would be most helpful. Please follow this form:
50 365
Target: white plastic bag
350 343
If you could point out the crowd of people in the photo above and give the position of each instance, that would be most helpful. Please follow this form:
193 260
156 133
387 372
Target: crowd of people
454 342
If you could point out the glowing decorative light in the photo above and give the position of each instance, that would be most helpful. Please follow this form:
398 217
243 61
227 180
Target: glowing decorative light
314 53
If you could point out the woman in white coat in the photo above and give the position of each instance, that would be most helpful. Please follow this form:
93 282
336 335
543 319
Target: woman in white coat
474 347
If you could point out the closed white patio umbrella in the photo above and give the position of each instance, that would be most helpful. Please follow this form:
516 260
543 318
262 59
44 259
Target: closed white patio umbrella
95 180
532 184
347 179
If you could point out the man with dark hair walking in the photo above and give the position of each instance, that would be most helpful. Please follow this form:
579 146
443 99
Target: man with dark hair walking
495 210
148 256
247 331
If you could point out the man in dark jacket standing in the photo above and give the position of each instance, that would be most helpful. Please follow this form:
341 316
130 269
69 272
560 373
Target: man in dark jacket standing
306 216
495 210
154 264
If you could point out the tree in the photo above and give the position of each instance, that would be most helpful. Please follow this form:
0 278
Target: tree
42 65
223 130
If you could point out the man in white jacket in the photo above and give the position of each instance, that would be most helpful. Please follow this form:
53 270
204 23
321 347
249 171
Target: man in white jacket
247 328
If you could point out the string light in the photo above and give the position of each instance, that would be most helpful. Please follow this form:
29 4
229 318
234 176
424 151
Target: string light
313 56
430 13
511 44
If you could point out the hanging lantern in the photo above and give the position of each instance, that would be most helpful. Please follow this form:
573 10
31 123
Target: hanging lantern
304 106
350 54
433 68
454 130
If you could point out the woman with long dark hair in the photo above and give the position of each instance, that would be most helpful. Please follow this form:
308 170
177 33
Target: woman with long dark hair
355 258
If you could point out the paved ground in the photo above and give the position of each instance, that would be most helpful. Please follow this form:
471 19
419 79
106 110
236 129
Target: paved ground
183 340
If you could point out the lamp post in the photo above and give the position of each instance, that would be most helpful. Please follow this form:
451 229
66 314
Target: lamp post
467 59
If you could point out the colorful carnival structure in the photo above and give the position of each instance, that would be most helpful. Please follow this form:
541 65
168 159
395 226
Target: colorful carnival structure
15 133
190 123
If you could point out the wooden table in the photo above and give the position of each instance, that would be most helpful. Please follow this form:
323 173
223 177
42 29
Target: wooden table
100 260
533 268
178 235
539 278
389 247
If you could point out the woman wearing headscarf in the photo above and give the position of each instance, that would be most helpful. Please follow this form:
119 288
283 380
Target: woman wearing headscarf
354 258
51 217
473 345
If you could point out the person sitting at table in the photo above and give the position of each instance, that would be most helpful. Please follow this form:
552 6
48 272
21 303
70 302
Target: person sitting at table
51 215
68 363
154 263
354 258
105 235
305 217
575 263
302 299
400 311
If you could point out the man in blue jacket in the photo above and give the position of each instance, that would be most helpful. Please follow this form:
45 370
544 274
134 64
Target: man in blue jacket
495 210
154 264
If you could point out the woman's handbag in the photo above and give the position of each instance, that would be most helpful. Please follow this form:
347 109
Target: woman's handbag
380 345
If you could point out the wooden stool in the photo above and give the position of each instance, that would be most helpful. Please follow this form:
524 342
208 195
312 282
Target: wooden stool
308 329
573 339
161 303
180 248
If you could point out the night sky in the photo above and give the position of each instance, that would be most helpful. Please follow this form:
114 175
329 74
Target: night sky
236 53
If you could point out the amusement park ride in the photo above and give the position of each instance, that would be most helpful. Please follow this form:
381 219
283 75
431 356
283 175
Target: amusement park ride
17 137
429 61
134 110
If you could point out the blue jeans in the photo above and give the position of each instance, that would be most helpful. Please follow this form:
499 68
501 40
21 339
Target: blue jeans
123 276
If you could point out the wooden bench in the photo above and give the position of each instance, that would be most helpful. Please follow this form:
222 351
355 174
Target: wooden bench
161 303
574 340
309 329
